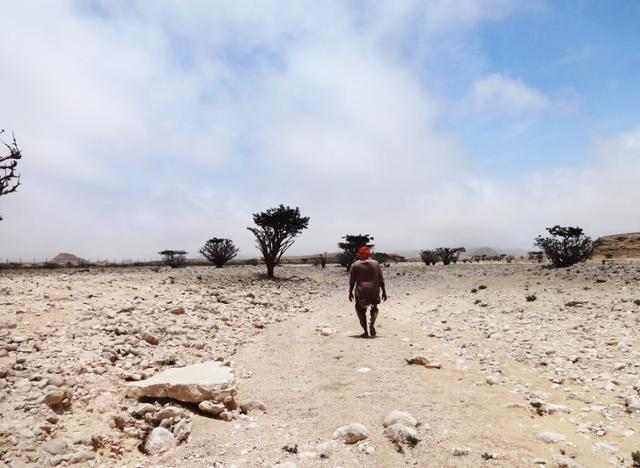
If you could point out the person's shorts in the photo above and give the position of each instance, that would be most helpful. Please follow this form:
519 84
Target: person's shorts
366 303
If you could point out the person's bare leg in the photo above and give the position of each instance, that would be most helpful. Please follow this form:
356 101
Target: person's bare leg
374 316
362 316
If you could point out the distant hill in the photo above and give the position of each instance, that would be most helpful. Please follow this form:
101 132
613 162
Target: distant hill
67 258
618 246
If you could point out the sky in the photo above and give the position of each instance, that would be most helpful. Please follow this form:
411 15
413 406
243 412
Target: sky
156 124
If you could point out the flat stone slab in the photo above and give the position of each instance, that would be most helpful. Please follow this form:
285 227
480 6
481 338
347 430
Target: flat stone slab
192 384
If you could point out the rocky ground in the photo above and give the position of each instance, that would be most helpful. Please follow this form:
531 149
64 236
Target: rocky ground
514 365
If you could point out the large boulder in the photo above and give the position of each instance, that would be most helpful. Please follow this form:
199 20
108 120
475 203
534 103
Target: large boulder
192 384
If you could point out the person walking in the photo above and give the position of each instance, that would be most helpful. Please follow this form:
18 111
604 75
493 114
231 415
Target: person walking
365 283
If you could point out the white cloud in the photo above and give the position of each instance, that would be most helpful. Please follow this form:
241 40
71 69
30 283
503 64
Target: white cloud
157 126
496 93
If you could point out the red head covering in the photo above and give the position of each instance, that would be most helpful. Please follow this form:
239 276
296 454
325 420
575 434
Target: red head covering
364 252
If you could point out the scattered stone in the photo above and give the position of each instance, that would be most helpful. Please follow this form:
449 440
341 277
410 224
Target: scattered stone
151 339
551 437
400 434
177 311
400 417
565 462
424 361
324 449
351 433
252 405
56 396
327 331
493 380
158 440
460 452
54 447
210 407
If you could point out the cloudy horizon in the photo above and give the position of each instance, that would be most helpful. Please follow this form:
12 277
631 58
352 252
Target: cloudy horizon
148 125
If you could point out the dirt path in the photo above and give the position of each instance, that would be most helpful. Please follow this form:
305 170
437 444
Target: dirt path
311 385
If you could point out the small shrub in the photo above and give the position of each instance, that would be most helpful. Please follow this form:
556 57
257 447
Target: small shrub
637 302
174 258
566 246
474 290
635 458
531 297
575 303
219 251
449 255
429 257
170 360
477 301
349 248
291 448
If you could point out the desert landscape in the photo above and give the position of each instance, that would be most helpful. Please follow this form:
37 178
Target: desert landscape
514 365
320 234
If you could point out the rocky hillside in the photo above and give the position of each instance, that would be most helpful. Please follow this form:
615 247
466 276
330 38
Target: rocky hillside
619 246
67 258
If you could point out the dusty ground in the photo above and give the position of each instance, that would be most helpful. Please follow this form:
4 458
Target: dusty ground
566 363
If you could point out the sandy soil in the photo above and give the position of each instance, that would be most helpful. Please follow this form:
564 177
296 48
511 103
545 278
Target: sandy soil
565 363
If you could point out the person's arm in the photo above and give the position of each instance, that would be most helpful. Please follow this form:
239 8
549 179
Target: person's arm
382 286
352 282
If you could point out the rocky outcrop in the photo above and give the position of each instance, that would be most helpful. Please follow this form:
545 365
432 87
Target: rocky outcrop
619 246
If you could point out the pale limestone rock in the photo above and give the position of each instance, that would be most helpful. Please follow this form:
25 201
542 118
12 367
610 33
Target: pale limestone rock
252 405
193 384
351 433
158 440
400 417
210 407
54 447
551 437
399 433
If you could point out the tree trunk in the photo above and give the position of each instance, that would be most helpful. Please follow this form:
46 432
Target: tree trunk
270 268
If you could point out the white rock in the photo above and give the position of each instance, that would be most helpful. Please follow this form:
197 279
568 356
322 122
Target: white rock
54 447
252 405
400 417
493 380
351 433
633 404
324 449
193 384
210 407
565 462
158 440
460 452
364 370
553 408
399 433
551 437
